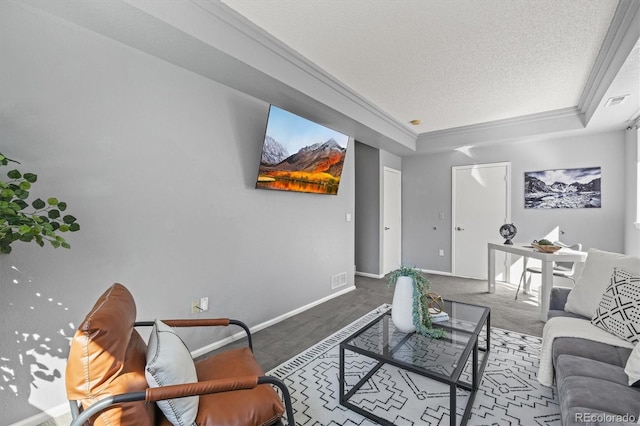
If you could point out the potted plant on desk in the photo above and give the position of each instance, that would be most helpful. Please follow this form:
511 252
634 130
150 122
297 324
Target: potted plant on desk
410 307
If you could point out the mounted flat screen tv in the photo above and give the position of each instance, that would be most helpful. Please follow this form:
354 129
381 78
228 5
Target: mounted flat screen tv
300 155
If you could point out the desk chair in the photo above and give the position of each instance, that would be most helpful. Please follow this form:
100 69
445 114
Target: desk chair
560 269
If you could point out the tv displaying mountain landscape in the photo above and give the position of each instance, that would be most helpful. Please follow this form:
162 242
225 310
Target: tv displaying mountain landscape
300 155
562 188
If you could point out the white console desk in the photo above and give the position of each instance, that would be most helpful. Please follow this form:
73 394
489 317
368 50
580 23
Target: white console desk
547 259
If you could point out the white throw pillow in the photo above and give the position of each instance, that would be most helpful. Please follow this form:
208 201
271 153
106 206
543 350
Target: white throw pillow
585 296
619 309
632 369
170 363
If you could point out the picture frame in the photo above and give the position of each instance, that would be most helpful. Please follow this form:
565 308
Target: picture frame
563 188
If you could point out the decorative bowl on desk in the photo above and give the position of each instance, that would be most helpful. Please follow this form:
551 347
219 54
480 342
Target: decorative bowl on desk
546 248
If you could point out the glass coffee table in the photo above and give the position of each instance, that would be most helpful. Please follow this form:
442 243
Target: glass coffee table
443 360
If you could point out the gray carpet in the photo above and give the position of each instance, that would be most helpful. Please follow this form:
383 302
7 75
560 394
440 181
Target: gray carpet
281 341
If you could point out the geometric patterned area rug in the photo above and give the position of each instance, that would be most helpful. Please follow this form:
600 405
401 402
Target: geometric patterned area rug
509 392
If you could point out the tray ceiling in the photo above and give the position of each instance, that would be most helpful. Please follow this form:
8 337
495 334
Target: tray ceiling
446 63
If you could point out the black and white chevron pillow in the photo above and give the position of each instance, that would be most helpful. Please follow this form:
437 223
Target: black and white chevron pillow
619 309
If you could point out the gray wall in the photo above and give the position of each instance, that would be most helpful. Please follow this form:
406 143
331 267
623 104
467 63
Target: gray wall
427 191
367 237
158 164
388 159
370 164
632 180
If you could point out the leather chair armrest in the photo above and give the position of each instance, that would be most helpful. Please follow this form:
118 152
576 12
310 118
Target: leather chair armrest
197 322
202 322
200 388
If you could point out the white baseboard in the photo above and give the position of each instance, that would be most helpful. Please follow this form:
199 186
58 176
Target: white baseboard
262 326
368 275
51 413
429 271
63 409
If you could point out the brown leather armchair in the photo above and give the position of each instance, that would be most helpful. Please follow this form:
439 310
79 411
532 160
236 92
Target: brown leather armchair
106 384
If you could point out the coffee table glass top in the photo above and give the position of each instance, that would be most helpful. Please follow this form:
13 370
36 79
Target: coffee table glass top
437 356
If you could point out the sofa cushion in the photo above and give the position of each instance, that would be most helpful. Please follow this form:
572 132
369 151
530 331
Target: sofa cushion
107 357
619 309
588 395
571 365
585 297
169 362
632 368
590 349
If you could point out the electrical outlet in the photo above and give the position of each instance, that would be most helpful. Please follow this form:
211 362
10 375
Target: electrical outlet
441 252
204 304
195 306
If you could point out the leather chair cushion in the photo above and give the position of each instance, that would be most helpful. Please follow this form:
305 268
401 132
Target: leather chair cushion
258 406
107 357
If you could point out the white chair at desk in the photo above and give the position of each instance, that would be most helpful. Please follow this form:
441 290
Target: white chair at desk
560 269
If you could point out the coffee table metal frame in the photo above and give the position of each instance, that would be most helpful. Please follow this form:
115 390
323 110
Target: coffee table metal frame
386 357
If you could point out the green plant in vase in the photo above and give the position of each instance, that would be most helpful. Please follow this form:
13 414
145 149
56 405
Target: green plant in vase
422 320
38 221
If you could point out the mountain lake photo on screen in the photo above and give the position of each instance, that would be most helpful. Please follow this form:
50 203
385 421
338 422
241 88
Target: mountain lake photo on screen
300 155
562 189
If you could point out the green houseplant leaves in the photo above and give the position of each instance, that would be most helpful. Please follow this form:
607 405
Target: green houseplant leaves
39 220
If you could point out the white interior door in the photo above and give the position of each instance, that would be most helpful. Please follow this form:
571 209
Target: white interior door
481 204
392 220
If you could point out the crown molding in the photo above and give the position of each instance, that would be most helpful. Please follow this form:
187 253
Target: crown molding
560 120
210 38
253 32
497 125
507 122
622 36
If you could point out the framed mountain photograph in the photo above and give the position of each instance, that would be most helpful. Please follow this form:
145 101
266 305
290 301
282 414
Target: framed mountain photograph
562 189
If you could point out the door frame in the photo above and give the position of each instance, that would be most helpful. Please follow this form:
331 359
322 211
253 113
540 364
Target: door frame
507 219
382 231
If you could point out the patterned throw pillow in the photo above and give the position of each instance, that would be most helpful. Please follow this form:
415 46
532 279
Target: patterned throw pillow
619 309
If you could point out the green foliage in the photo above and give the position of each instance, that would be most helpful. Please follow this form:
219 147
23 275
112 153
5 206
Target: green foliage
421 317
40 221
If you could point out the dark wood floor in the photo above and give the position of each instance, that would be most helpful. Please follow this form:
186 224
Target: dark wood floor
281 341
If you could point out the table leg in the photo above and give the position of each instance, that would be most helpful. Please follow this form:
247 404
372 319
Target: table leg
341 376
453 418
546 282
491 279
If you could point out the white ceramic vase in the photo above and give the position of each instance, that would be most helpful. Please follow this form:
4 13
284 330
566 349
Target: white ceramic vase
402 306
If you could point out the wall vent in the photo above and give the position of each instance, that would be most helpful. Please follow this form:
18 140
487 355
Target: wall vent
616 100
338 280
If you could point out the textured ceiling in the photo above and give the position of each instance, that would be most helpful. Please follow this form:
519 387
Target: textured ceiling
447 63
